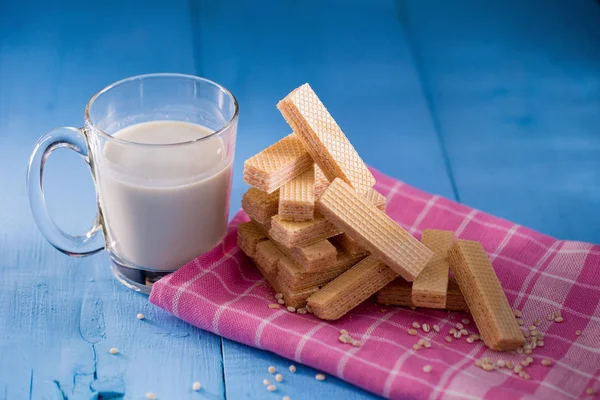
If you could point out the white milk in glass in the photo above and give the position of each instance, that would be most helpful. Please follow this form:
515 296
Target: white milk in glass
164 205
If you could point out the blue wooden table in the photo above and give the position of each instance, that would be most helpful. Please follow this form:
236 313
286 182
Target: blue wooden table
495 104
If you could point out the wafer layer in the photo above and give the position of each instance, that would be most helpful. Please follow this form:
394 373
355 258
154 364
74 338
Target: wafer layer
249 235
297 197
430 287
301 233
277 164
350 289
399 293
260 205
323 138
484 296
297 278
373 230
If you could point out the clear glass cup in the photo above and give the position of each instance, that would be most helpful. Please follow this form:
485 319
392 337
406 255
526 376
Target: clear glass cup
162 200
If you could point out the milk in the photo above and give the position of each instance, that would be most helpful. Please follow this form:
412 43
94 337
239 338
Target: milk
163 206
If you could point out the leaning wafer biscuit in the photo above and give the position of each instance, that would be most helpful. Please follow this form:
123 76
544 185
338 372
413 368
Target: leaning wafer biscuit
350 289
267 255
301 233
277 164
430 288
249 235
373 230
259 205
323 138
297 197
297 278
484 296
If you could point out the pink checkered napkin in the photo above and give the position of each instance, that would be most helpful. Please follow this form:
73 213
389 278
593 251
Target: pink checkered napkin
223 293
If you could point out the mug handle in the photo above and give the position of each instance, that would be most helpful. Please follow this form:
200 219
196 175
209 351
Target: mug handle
76 246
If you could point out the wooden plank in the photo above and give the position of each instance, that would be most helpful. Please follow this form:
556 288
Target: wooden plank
60 316
515 87
355 56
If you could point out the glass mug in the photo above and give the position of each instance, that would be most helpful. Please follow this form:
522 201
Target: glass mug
160 148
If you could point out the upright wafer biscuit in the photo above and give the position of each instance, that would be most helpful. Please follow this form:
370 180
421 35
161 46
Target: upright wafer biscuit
297 197
399 293
350 289
484 296
277 164
431 285
373 230
260 205
323 138
249 235
297 278
301 233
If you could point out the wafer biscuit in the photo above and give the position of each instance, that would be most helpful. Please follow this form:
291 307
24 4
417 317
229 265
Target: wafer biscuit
484 296
301 233
399 293
349 245
312 258
267 255
323 138
259 205
295 299
277 164
370 194
321 182
396 293
297 278
249 235
455 300
297 197
430 287
270 277
350 289
373 230
373 196
292 298
264 228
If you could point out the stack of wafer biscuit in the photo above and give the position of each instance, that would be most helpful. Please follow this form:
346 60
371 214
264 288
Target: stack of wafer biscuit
321 238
